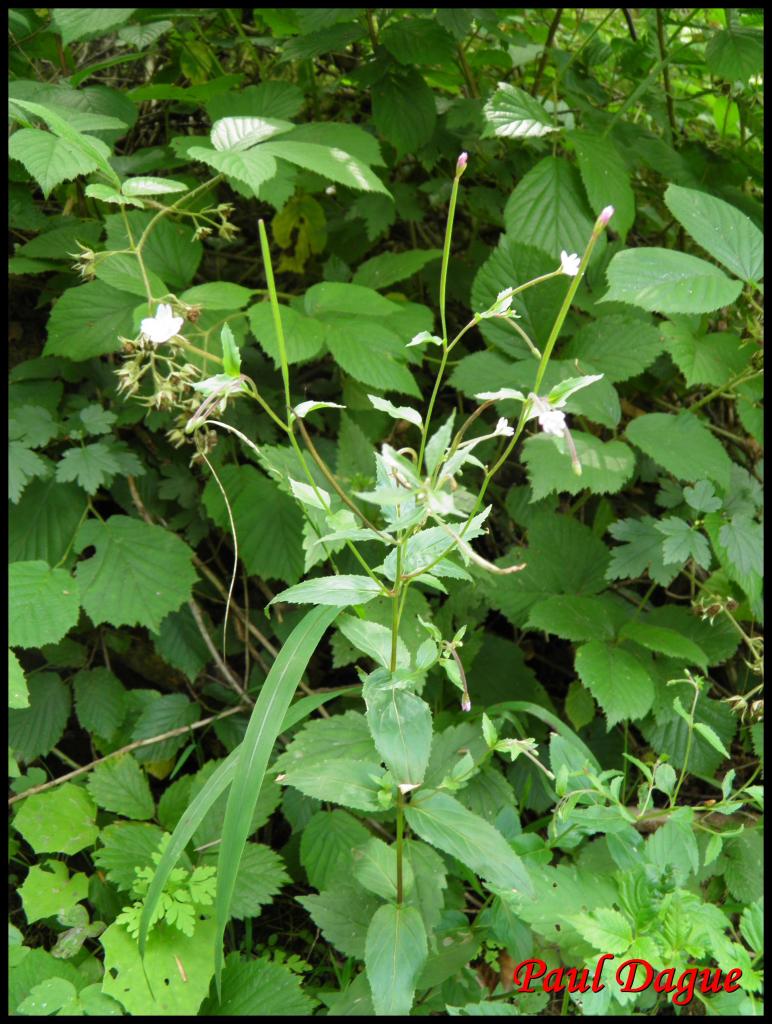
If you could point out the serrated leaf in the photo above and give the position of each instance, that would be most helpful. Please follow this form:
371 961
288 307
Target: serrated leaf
682 445
605 929
92 466
36 729
260 876
618 346
49 159
547 209
23 466
442 821
75 23
45 521
100 701
401 726
389 267
160 716
120 785
640 551
683 542
375 868
88 320
268 523
726 234
667 281
665 641
404 110
18 694
58 821
704 359
252 167
563 557
512 113
49 890
124 847
328 161
605 177
743 539
327 844
43 604
345 782
616 679
239 133
606 466
258 988
735 53
153 564
711 737
395 953
702 497
572 617
343 913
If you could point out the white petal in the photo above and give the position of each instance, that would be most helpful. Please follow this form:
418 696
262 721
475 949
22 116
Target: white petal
552 421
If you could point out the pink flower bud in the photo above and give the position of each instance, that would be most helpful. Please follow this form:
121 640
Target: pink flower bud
605 215
461 163
466 704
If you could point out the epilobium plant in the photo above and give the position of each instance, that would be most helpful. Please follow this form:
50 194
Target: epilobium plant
427 509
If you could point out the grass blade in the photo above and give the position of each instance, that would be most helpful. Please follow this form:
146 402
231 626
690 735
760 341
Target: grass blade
264 726
197 809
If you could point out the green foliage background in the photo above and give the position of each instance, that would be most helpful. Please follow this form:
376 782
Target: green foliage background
603 793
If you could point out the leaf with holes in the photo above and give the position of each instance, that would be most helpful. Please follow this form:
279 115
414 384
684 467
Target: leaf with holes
153 565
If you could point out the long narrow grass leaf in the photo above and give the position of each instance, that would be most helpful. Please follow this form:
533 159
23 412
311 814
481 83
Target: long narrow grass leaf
264 726
198 808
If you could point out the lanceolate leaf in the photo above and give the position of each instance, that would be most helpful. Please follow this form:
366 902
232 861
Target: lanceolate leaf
401 726
334 590
441 820
395 953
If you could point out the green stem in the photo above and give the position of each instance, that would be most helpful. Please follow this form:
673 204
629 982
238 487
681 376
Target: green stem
688 751
395 612
741 378
556 327
446 254
171 209
276 315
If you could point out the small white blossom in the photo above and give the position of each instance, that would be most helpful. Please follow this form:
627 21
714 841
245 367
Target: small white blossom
163 326
569 264
503 429
551 420
503 301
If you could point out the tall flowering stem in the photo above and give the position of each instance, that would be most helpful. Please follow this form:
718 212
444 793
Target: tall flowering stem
603 219
460 168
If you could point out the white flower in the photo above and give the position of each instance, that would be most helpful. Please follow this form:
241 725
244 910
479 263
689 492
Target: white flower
503 301
162 326
569 264
551 420
503 429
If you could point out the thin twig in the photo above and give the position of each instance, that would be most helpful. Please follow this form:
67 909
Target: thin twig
180 731
221 665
